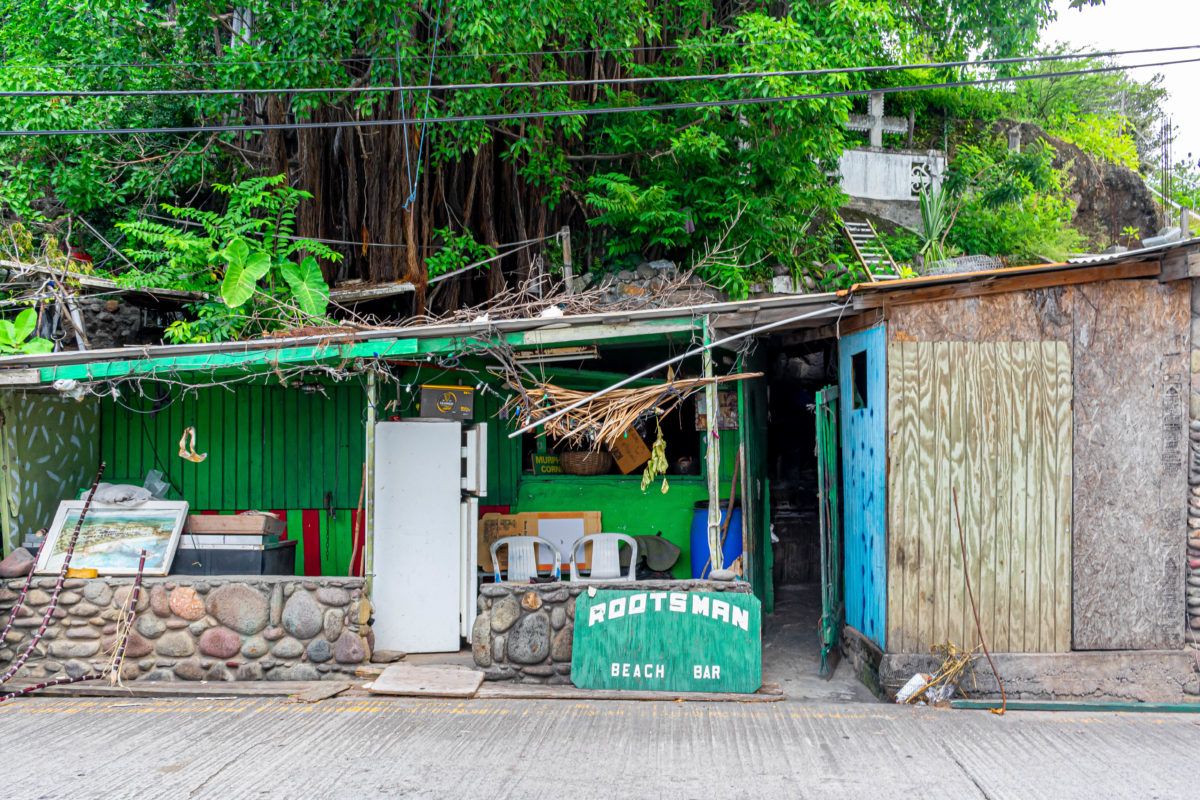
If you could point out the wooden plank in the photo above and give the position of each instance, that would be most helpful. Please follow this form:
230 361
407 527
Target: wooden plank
294 449
970 495
102 688
909 423
322 691
257 445
897 552
410 680
1062 514
925 479
227 459
883 297
1180 265
1047 380
1002 545
958 457
985 476
941 498
1020 456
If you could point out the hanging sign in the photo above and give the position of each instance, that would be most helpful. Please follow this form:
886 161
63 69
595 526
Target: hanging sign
547 464
447 402
667 641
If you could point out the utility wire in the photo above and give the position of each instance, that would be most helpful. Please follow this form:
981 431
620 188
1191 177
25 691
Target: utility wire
585 112
715 76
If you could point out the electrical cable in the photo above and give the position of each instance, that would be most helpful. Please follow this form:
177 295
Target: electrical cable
587 112
715 76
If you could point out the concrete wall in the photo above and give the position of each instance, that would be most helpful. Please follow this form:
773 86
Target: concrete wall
878 174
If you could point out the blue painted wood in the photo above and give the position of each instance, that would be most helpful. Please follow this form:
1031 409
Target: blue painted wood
864 459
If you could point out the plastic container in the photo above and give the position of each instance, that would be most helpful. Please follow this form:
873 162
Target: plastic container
701 563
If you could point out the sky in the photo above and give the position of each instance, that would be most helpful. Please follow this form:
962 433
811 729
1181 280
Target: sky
1132 24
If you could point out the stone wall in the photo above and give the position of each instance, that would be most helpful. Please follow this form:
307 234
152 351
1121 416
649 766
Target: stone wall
202 628
524 631
1192 621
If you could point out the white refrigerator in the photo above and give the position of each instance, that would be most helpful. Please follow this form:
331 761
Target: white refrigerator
429 475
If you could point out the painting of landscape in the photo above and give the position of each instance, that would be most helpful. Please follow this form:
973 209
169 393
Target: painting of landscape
112 538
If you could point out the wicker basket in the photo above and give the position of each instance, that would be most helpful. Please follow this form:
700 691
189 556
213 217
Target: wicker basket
586 462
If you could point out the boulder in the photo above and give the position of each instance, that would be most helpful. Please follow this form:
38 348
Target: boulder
333 624
504 613
349 649
17 563
239 607
122 594
175 644
332 596
481 641
529 640
255 647
319 651
160 602
302 617
560 647
287 648
220 643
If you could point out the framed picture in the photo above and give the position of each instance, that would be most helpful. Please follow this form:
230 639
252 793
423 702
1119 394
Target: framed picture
112 537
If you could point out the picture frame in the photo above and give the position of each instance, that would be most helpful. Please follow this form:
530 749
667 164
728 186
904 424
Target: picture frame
112 536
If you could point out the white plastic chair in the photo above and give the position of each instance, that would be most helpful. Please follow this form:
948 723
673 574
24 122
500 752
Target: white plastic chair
522 558
606 557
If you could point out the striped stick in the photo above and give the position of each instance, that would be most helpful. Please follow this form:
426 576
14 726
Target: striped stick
20 602
55 682
62 575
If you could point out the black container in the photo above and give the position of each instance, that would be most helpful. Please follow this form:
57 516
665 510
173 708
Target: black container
278 558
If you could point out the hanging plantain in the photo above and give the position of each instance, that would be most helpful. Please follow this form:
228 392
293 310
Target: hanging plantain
657 465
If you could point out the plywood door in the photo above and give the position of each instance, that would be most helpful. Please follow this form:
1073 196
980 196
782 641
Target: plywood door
862 390
990 423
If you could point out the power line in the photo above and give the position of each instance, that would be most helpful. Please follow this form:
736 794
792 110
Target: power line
586 112
455 56
586 81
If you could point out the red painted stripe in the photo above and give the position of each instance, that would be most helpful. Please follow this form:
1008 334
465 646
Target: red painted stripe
312 541
357 555
493 510
206 513
282 514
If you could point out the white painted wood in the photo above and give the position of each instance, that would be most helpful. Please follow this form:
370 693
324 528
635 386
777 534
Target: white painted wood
475 460
417 536
467 573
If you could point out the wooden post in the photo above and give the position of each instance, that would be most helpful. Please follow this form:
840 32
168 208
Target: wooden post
368 556
564 236
712 455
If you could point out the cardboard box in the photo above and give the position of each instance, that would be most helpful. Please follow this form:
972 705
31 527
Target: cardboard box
235 523
448 402
630 451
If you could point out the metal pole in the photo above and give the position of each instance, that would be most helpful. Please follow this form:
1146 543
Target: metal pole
368 556
712 456
675 360
568 274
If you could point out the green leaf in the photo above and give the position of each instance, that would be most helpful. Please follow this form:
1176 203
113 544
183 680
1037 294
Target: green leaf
37 346
25 323
8 334
242 271
308 286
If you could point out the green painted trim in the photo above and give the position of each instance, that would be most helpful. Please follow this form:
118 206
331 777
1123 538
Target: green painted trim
1085 707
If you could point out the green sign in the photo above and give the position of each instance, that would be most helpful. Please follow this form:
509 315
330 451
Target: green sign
547 464
668 641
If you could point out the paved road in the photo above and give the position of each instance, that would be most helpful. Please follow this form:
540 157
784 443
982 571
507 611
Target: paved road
392 747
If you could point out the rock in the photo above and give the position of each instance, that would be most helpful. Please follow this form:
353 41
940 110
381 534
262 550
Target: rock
560 648
220 643
198 627
529 640
76 668
69 598
498 648
571 608
97 592
556 596
481 641
531 601
303 672
319 651
179 624
159 675
331 596
17 563
333 624
272 634
539 670
239 607
122 594
250 672
302 616
348 649
149 625
362 611
504 613
136 645
493 590
84 633
288 588
110 614
387 656
276 604
146 664
37 597
558 617
287 647
175 644
201 587
255 647
160 602
218 672
645 271
74 649
190 670
51 666
498 673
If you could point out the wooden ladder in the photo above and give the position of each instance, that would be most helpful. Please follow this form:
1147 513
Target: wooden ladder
871 252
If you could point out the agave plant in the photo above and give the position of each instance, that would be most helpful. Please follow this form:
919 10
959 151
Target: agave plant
936 218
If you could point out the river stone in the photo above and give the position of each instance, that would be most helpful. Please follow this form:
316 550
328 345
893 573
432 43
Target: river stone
122 593
255 646
531 601
160 602
529 640
273 634
17 563
218 672
302 672
504 613
239 607
557 596
302 616
493 590
136 645
481 641
76 668
175 644
287 648
219 643
190 670
198 627
250 672
499 672
37 597
276 604
178 624
74 649
149 625
498 648
69 598
319 651
333 624
348 649
571 608
158 675
560 648
84 633
558 617
332 596
539 670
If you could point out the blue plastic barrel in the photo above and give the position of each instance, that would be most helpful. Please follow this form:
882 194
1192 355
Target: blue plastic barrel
701 563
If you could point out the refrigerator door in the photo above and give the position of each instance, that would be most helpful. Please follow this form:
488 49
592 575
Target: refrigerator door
475 460
417 537
468 577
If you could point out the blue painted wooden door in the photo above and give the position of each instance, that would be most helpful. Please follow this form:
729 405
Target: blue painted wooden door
862 372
